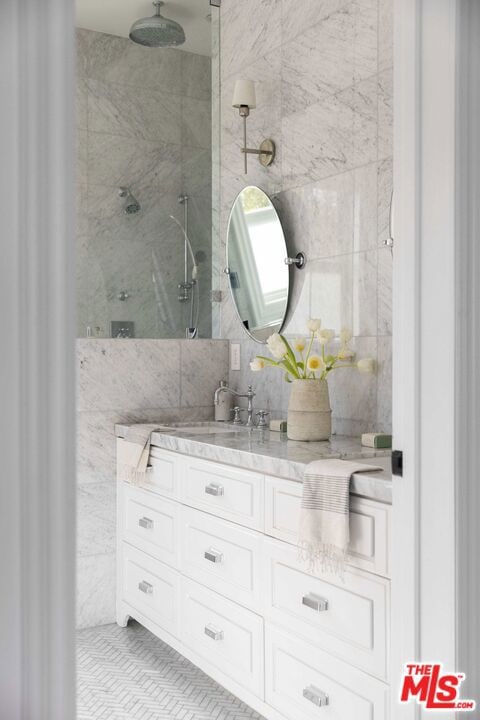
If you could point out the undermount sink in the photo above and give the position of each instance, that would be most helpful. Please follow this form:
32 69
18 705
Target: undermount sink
202 428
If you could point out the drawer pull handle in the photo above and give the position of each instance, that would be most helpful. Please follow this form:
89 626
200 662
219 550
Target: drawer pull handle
145 587
213 633
146 523
315 602
213 556
315 696
214 489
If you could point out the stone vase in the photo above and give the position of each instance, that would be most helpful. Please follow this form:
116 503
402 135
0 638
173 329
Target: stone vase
309 412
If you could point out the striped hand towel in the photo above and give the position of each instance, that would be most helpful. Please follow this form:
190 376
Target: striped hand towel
133 452
324 531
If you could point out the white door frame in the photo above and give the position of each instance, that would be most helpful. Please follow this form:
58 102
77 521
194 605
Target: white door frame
37 389
424 336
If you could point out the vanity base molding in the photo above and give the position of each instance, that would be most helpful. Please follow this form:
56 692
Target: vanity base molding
207 561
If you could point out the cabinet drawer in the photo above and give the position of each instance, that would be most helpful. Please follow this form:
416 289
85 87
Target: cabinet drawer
151 524
235 495
223 556
348 619
225 634
151 587
369 546
306 683
164 478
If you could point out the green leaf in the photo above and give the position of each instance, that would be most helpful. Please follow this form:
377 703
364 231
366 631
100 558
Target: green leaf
287 378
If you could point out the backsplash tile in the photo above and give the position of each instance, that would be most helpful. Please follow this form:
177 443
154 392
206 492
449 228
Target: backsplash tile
323 72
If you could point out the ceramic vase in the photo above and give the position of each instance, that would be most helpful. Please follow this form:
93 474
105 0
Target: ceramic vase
309 412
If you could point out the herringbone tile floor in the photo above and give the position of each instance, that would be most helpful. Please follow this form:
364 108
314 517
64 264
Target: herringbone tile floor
128 674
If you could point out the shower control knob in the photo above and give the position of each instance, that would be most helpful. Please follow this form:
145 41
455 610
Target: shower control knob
123 295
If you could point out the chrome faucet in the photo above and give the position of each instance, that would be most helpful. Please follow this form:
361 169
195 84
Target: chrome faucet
250 394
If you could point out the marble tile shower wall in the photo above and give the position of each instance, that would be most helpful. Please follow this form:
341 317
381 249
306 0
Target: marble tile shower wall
143 120
127 381
324 93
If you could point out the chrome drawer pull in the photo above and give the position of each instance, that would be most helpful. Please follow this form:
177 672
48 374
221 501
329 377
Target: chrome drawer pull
213 555
214 489
213 633
146 523
315 696
315 602
145 587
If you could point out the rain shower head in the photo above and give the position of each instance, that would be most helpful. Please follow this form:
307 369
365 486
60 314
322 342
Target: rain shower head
157 31
131 206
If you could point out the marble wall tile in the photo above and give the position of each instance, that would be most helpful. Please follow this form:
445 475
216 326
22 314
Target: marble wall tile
365 224
196 75
384 191
317 142
196 176
96 590
81 157
329 56
385 34
361 101
96 519
117 60
204 365
331 297
298 17
384 384
145 114
196 123
81 102
248 34
114 161
266 384
353 395
318 217
128 373
384 285
385 114
365 293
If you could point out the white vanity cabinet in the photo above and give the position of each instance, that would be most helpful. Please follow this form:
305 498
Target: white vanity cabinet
207 560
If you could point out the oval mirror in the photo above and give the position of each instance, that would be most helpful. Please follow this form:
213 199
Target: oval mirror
256 252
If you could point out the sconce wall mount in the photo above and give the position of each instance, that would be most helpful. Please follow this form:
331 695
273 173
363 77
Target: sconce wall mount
244 99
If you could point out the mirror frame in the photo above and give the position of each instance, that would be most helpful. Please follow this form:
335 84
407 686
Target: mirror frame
232 296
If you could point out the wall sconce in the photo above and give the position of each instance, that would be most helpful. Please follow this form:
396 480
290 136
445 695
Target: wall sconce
245 100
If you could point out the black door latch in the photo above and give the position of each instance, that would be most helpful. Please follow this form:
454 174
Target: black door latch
397 462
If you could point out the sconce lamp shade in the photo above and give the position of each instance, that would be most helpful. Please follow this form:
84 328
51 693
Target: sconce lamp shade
244 94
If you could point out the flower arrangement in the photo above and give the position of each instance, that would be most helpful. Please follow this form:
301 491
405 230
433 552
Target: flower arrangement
300 361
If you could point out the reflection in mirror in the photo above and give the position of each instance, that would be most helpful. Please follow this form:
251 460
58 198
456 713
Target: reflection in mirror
256 252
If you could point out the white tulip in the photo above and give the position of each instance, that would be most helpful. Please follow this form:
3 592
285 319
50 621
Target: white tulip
345 335
276 346
366 365
299 345
316 363
345 354
324 336
257 364
314 325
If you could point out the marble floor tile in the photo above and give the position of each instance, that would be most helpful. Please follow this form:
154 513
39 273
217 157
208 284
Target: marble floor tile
129 674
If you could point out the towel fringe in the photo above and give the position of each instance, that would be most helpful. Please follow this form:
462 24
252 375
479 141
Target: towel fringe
131 475
323 558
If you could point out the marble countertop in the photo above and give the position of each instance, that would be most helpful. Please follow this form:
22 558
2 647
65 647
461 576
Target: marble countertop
273 454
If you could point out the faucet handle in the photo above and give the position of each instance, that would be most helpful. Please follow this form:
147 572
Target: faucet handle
262 414
237 420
